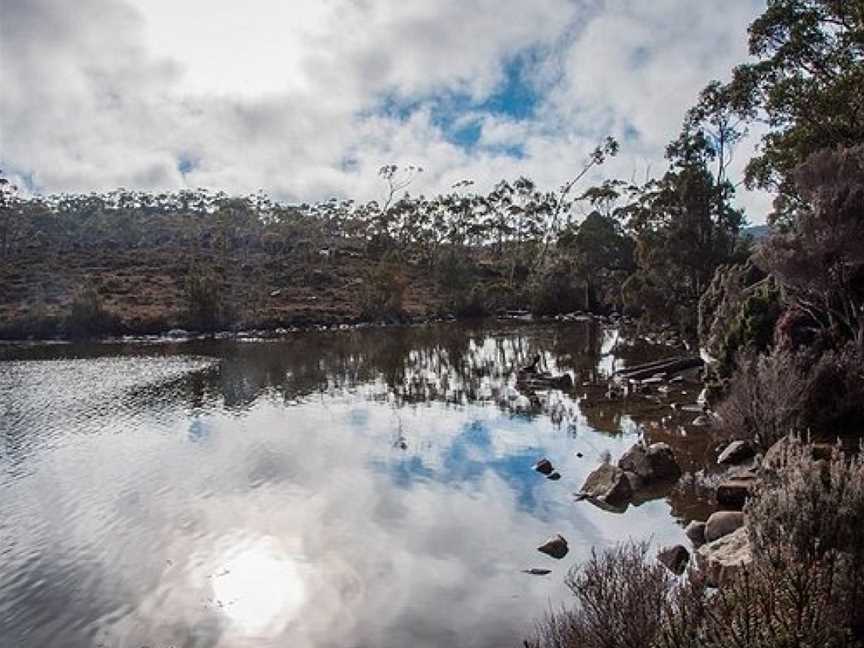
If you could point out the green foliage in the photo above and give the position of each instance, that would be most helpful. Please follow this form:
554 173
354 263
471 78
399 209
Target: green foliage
805 83
752 328
685 228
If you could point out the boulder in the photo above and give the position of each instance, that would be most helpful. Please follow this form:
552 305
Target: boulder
723 557
555 476
722 523
653 463
543 466
734 493
608 484
663 462
736 452
675 558
556 546
695 531
635 460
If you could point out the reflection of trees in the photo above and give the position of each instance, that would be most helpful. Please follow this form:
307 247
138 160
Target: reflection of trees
458 363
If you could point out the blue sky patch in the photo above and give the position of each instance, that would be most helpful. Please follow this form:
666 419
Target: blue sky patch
460 117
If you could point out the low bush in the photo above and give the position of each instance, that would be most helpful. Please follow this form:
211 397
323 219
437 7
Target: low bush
87 316
773 395
765 399
203 290
383 292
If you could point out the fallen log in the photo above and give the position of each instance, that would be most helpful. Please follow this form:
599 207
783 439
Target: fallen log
669 367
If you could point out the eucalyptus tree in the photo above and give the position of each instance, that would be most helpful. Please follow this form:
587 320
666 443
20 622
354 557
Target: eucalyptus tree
805 85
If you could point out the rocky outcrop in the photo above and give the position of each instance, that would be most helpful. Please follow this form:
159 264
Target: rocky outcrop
739 308
721 559
722 523
608 484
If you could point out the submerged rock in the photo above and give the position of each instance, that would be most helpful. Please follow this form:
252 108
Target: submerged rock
723 523
556 546
674 558
608 484
543 466
722 558
555 476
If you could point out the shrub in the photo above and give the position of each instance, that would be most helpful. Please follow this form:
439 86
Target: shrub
765 399
834 401
773 395
87 316
805 530
204 296
556 291
619 598
383 292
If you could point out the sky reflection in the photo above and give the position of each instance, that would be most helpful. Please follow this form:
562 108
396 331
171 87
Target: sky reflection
357 515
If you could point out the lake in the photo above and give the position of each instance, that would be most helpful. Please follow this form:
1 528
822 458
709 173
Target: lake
365 488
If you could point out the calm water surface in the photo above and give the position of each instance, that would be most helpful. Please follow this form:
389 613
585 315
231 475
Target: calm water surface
365 488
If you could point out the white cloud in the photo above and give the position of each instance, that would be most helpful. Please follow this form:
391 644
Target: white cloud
105 93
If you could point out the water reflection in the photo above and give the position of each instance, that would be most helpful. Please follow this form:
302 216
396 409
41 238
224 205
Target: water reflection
368 488
260 588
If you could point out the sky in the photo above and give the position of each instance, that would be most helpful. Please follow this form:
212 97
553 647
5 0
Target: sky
307 99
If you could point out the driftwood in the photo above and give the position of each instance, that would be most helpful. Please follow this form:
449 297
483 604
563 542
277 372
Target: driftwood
668 367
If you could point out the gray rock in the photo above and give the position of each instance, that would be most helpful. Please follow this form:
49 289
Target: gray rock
543 466
675 558
636 482
695 531
608 484
177 333
663 462
722 558
556 546
736 452
654 463
555 476
635 460
535 571
722 523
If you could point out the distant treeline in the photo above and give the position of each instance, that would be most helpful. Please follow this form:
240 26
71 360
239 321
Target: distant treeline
649 249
